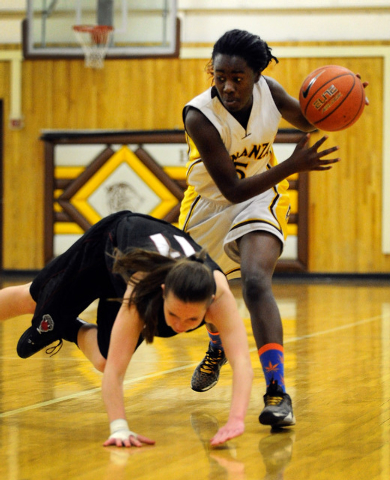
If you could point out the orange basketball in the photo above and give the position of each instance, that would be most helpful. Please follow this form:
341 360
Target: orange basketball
332 98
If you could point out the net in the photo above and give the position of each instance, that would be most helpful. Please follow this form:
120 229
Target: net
94 40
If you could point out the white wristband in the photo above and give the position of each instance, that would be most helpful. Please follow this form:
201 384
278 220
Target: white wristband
119 424
120 430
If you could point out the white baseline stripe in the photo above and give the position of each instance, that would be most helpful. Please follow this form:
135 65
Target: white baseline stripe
172 370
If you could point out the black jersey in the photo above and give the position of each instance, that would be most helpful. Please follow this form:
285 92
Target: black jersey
83 274
135 230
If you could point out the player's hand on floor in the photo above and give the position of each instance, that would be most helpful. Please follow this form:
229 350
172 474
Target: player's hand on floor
128 440
231 430
121 436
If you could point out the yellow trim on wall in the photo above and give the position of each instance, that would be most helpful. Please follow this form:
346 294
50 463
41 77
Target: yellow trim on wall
67 228
68 172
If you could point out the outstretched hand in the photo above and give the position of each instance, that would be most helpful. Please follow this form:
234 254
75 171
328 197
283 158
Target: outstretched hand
310 158
231 430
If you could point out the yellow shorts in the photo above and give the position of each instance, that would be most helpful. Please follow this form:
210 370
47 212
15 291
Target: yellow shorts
217 226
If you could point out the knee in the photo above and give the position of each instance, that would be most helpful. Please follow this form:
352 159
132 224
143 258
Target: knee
88 344
255 286
25 298
100 364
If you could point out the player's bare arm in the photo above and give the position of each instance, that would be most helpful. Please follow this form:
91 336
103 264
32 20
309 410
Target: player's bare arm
223 313
124 337
222 170
288 106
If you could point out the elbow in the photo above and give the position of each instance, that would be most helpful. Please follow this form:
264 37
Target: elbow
249 371
244 368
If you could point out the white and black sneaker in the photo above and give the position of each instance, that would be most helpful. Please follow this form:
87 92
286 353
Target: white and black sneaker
278 410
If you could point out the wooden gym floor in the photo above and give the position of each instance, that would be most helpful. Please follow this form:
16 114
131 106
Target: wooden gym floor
337 343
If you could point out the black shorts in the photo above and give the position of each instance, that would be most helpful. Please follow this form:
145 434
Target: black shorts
72 281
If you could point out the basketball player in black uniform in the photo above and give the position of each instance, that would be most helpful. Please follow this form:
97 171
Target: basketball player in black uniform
166 284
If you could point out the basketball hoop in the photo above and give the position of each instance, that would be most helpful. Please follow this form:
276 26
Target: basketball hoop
94 40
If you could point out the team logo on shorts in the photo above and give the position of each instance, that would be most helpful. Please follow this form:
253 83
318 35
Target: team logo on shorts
46 325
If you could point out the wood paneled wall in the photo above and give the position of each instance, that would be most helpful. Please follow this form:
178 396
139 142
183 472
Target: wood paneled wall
344 203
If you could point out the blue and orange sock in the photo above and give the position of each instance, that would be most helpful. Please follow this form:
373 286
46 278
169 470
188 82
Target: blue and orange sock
272 360
215 340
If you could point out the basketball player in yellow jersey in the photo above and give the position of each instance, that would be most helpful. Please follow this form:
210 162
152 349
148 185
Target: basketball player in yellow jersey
236 204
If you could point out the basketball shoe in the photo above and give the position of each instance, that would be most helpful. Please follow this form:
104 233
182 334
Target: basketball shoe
206 374
35 338
278 410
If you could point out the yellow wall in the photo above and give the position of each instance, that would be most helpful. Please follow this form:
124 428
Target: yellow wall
344 204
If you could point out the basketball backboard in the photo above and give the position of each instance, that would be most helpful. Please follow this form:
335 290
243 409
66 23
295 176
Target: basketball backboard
147 28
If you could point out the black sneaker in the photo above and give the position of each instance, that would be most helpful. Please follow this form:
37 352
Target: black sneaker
278 410
206 374
35 339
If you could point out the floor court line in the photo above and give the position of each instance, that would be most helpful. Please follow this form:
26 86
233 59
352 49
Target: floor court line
172 370
336 329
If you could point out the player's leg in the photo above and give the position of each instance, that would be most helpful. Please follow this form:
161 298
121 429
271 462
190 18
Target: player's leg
43 332
259 252
58 305
208 225
55 317
66 287
16 300
88 343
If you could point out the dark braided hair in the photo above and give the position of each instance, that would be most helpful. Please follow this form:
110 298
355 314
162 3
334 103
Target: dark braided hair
189 279
248 46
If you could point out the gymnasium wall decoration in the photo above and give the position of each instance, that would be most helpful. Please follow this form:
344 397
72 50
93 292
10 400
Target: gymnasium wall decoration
91 174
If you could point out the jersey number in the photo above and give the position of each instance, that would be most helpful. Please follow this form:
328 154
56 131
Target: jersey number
163 247
240 172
